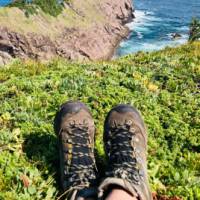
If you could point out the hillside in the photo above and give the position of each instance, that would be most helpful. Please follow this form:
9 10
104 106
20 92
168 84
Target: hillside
163 85
84 30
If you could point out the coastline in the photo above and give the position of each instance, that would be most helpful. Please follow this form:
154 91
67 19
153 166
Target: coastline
97 40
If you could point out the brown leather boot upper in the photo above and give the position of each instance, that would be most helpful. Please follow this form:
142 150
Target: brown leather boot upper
125 140
75 129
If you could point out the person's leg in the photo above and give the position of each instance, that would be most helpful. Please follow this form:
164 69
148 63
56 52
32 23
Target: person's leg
75 129
119 194
125 140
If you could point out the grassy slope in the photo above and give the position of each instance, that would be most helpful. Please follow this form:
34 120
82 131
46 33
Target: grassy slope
163 85
84 15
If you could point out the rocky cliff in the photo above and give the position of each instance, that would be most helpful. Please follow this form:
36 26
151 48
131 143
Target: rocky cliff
92 30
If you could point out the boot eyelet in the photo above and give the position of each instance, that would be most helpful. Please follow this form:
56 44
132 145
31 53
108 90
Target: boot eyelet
85 121
71 123
132 130
129 122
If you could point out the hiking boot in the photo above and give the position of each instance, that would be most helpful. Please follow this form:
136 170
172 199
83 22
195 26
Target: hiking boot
75 129
125 140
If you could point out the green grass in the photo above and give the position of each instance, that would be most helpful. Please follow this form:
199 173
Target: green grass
82 16
163 85
51 7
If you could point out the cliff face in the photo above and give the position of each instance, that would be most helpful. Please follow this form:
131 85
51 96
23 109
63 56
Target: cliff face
95 41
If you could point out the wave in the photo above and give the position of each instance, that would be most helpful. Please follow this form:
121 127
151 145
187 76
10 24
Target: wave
143 18
129 46
149 32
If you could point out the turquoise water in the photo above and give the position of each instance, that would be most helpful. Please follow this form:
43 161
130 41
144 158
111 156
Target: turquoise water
4 2
156 21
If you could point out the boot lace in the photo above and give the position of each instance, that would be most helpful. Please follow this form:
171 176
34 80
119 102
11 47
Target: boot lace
80 169
124 159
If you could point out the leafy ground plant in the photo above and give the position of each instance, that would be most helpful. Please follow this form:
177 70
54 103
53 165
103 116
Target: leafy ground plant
52 7
163 85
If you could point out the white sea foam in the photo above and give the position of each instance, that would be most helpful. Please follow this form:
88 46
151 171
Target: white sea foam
143 19
151 46
184 28
157 45
145 24
140 18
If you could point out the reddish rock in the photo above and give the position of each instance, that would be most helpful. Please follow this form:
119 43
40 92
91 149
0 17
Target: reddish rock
96 43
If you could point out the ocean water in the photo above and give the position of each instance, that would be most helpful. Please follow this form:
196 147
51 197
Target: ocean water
4 2
156 21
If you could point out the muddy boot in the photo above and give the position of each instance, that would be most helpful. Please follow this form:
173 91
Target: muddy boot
125 140
75 129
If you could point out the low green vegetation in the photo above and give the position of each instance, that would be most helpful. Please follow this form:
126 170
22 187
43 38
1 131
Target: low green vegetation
81 16
52 7
194 30
163 85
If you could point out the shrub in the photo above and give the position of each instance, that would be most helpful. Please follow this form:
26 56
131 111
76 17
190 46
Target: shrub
194 30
